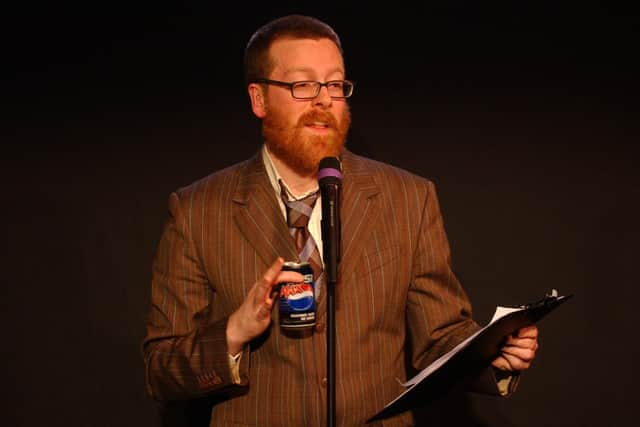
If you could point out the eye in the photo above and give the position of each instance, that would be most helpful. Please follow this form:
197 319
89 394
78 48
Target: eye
304 85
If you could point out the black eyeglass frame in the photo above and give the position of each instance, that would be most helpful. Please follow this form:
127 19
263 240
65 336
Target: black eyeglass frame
319 85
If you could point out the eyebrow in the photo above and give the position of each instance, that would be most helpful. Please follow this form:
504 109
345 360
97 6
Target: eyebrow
311 71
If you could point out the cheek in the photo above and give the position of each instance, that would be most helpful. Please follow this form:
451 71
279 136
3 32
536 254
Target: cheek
344 117
295 112
288 115
340 110
282 103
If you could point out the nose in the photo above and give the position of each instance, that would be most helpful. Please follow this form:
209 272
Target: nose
323 99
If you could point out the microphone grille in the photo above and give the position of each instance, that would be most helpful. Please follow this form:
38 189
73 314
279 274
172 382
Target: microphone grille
331 163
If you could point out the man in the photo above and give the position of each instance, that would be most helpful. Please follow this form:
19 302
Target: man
213 329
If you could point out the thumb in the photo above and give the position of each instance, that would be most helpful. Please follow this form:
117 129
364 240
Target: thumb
269 277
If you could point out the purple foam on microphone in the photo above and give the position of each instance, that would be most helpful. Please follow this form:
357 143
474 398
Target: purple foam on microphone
330 168
327 172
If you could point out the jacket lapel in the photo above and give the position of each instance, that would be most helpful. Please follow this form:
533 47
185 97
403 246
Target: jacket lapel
258 216
359 207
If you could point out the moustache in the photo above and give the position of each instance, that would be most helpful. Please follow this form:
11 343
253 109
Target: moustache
318 116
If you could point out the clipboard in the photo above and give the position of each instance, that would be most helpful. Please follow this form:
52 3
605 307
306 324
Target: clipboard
470 356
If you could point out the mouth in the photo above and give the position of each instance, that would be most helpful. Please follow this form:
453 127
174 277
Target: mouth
319 125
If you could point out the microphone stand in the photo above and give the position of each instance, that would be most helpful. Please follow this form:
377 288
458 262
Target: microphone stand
330 178
331 265
331 354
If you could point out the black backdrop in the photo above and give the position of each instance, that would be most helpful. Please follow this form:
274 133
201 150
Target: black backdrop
525 117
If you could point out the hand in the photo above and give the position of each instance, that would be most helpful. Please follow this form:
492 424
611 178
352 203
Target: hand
519 350
253 317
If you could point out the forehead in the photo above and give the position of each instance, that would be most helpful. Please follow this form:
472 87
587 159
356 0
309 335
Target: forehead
315 58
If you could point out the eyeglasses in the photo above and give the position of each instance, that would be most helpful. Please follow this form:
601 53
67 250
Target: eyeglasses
310 89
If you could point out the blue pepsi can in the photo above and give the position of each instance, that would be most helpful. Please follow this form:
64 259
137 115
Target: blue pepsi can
296 302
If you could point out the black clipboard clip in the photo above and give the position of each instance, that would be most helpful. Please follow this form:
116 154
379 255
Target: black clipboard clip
548 297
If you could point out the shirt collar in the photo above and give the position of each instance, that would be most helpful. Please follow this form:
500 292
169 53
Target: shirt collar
276 180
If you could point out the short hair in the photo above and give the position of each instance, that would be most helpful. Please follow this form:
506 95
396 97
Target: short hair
257 63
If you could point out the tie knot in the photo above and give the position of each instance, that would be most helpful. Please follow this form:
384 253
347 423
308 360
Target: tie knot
299 211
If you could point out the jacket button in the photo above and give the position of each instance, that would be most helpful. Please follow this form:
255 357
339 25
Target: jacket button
323 383
320 327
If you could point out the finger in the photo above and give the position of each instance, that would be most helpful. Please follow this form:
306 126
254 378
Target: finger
274 275
507 362
289 276
524 354
529 343
521 342
262 288
527 332
270 275
265 309
283 277
501 363
515 363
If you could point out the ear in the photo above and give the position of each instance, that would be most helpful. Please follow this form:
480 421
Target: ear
257 100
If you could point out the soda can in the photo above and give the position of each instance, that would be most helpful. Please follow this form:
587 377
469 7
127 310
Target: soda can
296 301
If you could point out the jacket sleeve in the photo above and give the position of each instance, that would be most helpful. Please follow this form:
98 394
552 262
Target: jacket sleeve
439 312
185 351
438 309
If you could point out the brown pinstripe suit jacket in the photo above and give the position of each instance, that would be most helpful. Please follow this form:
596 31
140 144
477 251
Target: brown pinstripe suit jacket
394 279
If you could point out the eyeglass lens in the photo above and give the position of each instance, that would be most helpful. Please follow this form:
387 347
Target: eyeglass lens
310 89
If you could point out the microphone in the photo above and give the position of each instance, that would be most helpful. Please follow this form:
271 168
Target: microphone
330 180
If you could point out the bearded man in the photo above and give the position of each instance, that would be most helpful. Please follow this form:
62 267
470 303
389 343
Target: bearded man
212 327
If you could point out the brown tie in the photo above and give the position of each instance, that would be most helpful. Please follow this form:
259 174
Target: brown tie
298 213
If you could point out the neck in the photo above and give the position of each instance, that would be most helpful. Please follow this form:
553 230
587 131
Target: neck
298 184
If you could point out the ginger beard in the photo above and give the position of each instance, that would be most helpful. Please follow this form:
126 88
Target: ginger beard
302 153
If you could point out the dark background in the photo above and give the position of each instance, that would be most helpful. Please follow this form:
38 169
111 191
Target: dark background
525 117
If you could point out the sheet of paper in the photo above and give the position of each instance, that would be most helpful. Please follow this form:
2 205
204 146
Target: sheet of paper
497 315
